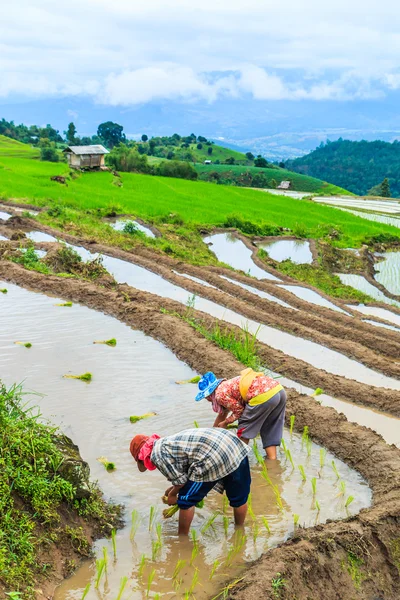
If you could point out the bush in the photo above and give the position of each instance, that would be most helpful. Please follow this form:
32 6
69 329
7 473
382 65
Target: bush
122 158
49 153
175 168
248 227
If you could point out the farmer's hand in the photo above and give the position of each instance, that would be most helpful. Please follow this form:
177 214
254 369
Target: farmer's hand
172 499
168 490
223 424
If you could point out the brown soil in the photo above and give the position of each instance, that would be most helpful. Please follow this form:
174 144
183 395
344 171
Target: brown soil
357 559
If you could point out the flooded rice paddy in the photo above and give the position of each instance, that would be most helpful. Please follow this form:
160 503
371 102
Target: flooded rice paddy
119 224
359 283
298 251
374 217
233 252
379 206
257 292
388 271
311 296
196 279
381 313
137 376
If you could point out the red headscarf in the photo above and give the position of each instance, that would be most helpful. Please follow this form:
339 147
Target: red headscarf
141 448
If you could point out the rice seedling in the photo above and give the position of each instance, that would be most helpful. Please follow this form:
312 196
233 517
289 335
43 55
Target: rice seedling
209 523
4 291
25 344
256 531
196 425
170 511
322 457
265 475
136 418
195 580
309 447
257 454
85 591
304 436
105 557
317 392
317 506
150 581
142 564
225 523
314 486
214 567
84 377
349 500
152 517
194 537
178 568
289 455
135 521
114 543
266 525
193 380
64 304
335 469
124 581
100 566
112 342
110 466
250 507
302 473
225 503
283 444
225 592
292 420
277 497
195 551
342 491
155 549
296 518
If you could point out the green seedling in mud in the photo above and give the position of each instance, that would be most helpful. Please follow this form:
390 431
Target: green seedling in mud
289 455
124 581
302 473
64 304
4 291
209 523
214 567
136 418
85 591
258 454
195 580
170 511
25 344
193 380
135 521
277 584
100 566
114 543
342 492
105 558
283 444
296 518
156 597
314 486
178 568
225 592
250 507
150 581
225 523
110 466
277 497
256 531
196 425
317 506
266 525
195 551
225 503
349 500
112 342
334 467
159 533
322 457
292 420
155 549
304 436
84 377
152 517
142 564
309 447
317 392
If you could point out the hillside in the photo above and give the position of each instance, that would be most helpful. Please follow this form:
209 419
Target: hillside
10 147
356 166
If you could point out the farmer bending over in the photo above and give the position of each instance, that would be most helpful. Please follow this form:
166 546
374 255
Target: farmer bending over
258 402
195 461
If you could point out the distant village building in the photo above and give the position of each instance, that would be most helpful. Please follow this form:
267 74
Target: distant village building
86 157
284 185
207 162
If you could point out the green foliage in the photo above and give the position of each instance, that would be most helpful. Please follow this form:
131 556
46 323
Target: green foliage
48 151
111 134
354 564
131 228
175 168
248 227
385 188
127 159
356 166
87 377
30 260
277 585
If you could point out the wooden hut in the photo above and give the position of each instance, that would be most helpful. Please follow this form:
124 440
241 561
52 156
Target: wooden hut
284 185
86 157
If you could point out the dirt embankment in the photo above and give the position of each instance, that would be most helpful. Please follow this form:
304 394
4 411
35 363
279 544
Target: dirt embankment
357 559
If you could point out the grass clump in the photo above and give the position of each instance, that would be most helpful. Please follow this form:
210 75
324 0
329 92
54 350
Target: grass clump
30 260
84 377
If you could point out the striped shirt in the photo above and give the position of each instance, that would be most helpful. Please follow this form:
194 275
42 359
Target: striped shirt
199 455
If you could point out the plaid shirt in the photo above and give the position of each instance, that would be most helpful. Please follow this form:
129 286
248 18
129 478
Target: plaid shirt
199 455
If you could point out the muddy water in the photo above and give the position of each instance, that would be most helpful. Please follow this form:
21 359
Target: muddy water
376 311
311 296
361 284
298 251
392 327
140 376
379 206
232 251
40 236
257 292
5 216
196 279
18 209
119 225
315 354
388 271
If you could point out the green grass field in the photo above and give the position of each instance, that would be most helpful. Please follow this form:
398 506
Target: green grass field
197 203
300 183
12 148
219 153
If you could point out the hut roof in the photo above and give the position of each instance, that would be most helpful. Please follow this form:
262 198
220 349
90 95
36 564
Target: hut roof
95 149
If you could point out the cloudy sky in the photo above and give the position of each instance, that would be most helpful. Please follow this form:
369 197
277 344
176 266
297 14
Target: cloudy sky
125 52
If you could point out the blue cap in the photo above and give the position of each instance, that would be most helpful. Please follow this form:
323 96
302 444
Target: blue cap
207 384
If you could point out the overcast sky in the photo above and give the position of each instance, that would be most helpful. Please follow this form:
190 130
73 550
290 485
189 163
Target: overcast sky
126 52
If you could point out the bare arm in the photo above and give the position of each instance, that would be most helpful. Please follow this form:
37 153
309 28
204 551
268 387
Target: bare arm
173 494
220 418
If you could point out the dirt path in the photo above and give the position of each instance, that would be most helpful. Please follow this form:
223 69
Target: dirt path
353 560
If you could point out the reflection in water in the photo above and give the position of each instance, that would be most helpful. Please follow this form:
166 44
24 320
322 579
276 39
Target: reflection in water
298 251
381 313
376 218
40 236
311 296
137 376
259 293
388 271
359 283
119 225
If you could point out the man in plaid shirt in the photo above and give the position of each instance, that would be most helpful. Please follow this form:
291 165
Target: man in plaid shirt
195 461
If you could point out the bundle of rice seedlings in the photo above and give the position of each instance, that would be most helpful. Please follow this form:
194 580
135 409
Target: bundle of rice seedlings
84 377
136 418
25 344
4 291
112 342
110 466
193 380
64 304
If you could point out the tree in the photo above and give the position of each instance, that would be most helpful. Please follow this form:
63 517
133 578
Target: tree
230 161
260 162
152 145
122 158
48 150
209 150
111 133
144 138
250 156
282 165
385 188
70 134
202 139
199 146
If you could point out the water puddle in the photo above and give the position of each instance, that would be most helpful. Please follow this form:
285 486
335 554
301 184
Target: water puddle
259 293
3 238
96 416
359 283
18 209
312 297
196 279
376 311
119 225
232 251
298 251
373 217
40 236
5 216
392 327
388 271
379 206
